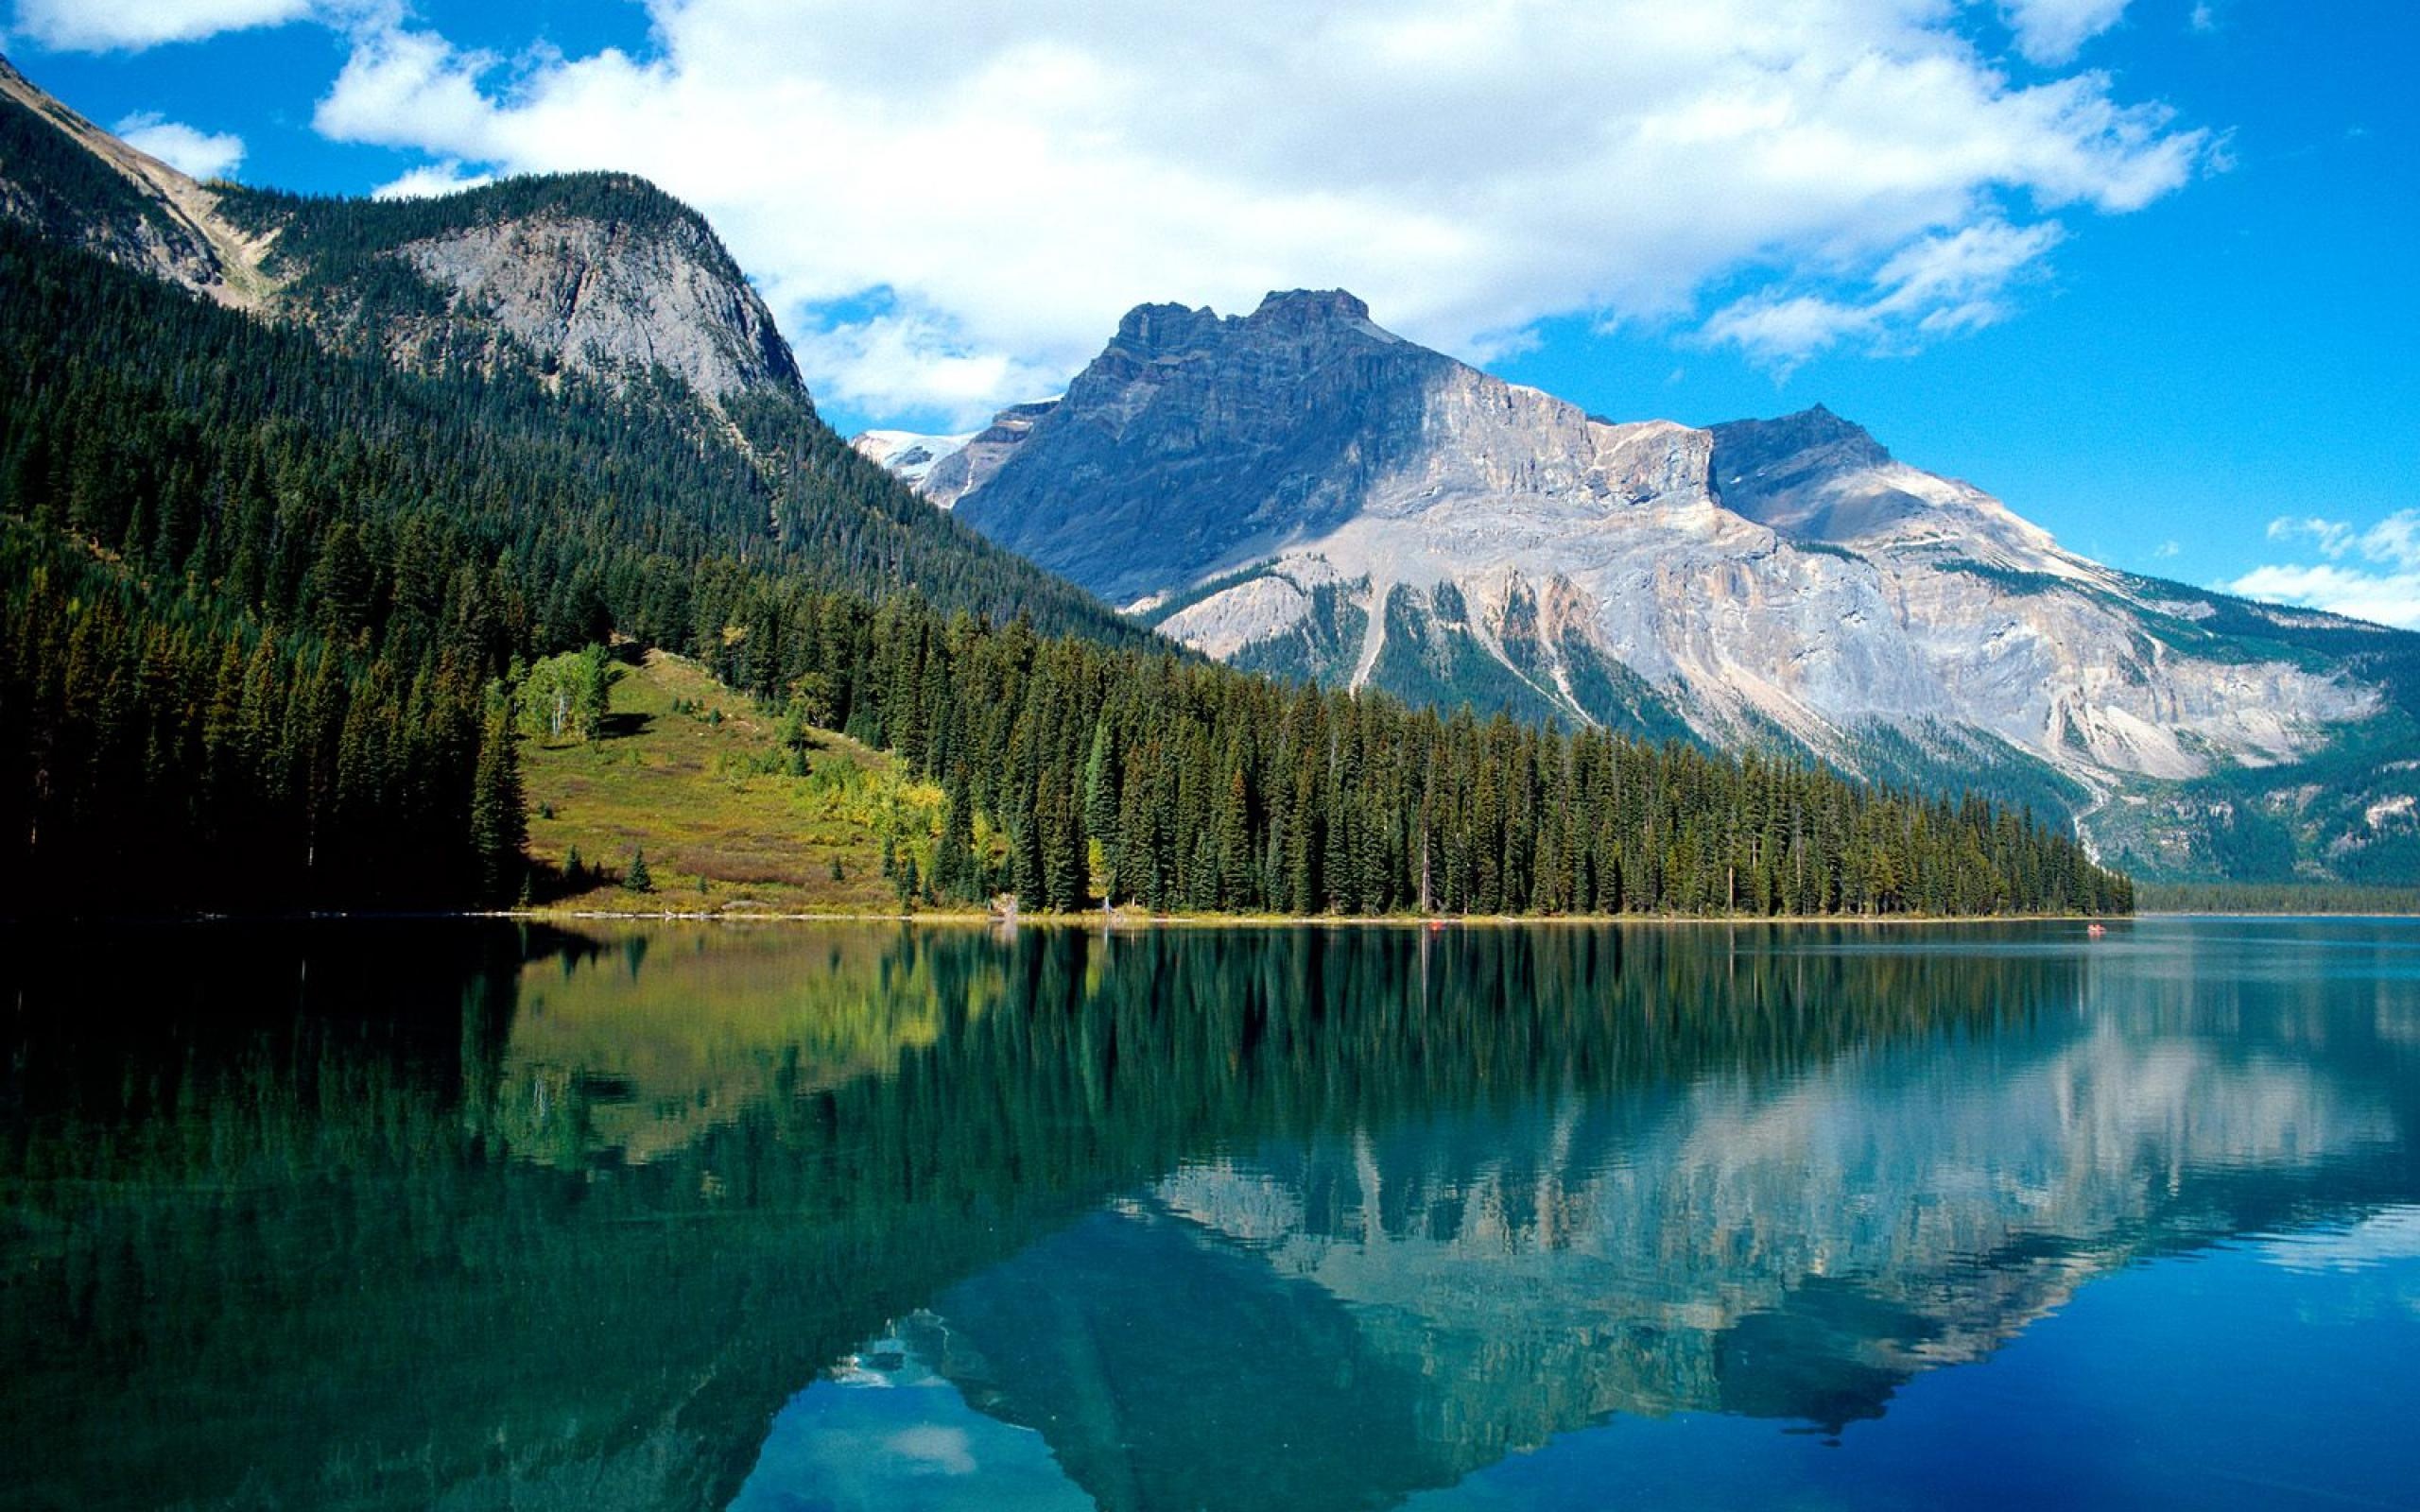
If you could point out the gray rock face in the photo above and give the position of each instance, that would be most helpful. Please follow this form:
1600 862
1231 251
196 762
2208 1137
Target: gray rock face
1194 441
613 299
1299 491
608 278
969 467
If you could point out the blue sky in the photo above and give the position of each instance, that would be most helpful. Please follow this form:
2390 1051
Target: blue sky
2134 266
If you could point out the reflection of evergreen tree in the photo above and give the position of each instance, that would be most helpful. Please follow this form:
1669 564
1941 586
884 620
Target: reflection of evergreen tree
280 1233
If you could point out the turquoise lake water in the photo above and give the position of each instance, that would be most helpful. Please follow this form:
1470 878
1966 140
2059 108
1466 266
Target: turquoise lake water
470 1215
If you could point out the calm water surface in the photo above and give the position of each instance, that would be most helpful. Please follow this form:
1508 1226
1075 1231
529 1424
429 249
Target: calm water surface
473 1216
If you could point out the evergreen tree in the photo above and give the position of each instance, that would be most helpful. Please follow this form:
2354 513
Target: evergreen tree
498 818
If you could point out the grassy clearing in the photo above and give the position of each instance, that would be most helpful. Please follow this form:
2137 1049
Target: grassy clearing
693 776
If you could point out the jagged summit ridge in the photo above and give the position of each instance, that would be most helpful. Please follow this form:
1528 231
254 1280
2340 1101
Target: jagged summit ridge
1311 401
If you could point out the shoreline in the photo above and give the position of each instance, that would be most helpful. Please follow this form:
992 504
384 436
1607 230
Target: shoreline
1130 921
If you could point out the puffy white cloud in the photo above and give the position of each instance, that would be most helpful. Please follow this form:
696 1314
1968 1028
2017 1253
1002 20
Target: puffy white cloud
1938 286
998 185
187 149
430 178
2053 31
105 26
2395 538
2383 587
2334 538
2384 598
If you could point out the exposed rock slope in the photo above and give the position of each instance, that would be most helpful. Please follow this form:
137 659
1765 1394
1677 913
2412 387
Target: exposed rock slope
601 275
1300 490
131 208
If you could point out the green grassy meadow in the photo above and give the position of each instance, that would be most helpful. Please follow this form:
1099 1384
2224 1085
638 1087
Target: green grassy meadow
697 780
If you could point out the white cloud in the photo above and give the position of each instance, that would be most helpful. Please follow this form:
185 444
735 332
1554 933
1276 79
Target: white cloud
2334 538
2166 549
2395 538
1939 287
1847 169
908 362
105 26
2385 1236
2384 587
2053 31
430 179
187 149
2203 18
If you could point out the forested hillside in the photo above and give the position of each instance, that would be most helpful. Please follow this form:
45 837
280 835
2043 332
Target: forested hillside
1135 774
267 604
212 522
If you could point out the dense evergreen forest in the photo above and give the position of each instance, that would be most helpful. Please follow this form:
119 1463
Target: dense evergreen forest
2275 898
1127 775
266 605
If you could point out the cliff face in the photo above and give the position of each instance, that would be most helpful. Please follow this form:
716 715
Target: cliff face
1301 491
600 275
612 296
1193 441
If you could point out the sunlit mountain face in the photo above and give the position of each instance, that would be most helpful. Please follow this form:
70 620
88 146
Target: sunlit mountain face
678 1216
1302 491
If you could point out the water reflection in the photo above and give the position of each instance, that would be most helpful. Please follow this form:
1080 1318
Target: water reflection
473 1216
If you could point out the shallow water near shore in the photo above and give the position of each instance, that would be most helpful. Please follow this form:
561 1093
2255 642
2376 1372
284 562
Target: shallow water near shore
479 1214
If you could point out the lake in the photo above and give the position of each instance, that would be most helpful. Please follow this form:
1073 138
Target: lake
478 1215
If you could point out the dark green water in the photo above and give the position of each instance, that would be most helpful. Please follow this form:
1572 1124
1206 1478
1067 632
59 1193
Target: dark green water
469 1216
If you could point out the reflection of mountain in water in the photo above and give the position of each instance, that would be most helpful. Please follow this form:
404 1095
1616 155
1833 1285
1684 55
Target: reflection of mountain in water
1404 1305
292 1227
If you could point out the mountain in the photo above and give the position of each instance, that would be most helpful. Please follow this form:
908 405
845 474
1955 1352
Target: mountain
295 493
74 182
603 275
600 275
907 454
1302 491
944 469
596 290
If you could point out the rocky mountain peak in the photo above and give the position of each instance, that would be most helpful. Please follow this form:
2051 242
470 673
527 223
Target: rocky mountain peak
1310 306
597 274
1809 440
1276 422
1154 331
1299 492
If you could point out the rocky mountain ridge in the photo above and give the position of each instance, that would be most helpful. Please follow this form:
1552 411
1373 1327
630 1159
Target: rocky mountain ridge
126 205
599 275
590 317
1299 491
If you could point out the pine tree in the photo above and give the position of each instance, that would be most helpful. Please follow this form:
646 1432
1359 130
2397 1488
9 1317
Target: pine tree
499 827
